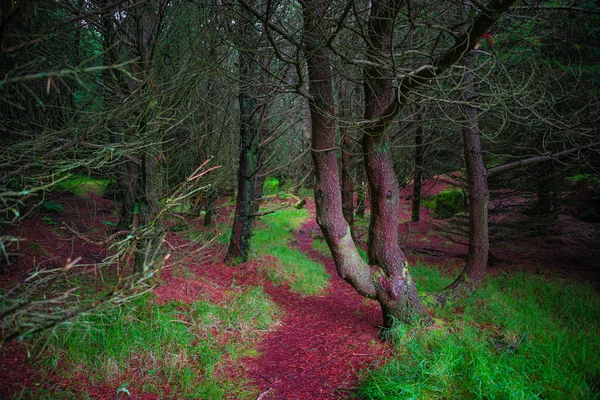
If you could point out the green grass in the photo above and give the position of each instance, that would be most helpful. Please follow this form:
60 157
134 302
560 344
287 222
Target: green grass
293 267
520 337
175 345
81 185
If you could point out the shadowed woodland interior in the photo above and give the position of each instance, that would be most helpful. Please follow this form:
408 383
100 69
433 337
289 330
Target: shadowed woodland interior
315 199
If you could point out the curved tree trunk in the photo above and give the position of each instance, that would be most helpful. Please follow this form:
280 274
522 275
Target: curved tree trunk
397 293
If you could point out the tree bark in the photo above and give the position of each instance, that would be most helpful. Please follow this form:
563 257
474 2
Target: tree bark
328 197
478 194
149 253
126 184
397 292
418 174
387 279
243 223
346 149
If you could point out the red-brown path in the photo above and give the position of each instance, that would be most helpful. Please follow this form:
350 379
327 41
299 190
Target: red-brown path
323 341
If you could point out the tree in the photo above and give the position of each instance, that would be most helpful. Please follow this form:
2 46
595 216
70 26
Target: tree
250 135
387 279
477 187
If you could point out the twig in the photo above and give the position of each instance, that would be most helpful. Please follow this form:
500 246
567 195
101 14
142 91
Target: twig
264 394
90 241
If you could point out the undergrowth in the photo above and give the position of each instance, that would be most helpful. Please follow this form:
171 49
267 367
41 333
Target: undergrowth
271 237
175 349
81 185
293 267
520 337
447 203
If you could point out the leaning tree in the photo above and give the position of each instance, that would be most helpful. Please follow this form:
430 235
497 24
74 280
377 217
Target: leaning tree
386 278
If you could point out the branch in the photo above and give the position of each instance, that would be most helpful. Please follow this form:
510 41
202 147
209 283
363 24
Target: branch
531 160
90 241
464 43
561 8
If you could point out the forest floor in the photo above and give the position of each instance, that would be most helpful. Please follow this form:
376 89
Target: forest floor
322 342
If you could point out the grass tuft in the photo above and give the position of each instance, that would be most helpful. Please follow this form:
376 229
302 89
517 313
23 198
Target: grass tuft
175 348
293 267
81 185
520 337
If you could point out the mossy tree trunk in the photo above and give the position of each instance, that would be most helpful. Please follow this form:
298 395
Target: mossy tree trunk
248 176
241 234
396 290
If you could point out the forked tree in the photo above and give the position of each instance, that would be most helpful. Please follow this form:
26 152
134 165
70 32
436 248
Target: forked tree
386 278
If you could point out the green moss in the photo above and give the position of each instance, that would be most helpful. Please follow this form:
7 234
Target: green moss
447 203
271 186
81 185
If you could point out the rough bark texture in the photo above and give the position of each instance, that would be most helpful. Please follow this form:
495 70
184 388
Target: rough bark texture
346 148
396 290
418 175
477 189
328 197
387 279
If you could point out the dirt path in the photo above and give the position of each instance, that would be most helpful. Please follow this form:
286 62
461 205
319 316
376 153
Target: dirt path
324 340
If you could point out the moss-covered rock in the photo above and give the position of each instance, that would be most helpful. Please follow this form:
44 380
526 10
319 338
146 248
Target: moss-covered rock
447 203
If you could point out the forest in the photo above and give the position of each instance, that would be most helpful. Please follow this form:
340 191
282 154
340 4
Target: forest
312 199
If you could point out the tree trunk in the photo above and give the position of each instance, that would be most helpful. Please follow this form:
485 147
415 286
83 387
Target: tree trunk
149 252
361 198
418 175
546 190
346 148
126 184
397 294
477 188
328 197
387 279
211 196
243 223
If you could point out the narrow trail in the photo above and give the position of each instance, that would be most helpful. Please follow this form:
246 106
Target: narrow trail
323 341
